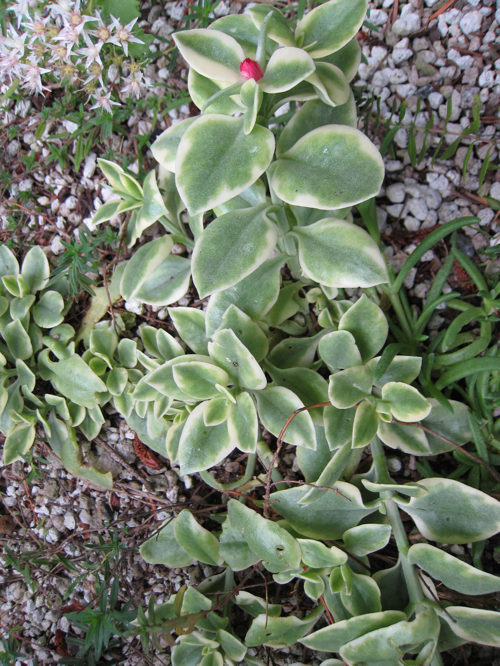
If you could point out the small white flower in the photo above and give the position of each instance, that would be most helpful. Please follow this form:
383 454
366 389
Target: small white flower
14 42
59 52
33 76
134 85
103 101
69 37
20 9
37 27
95 72
103 32
92 52
10 66
123 34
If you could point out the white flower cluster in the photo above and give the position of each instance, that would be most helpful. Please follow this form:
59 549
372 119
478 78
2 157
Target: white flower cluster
59 40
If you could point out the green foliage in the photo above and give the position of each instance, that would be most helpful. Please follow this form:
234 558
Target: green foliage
279 352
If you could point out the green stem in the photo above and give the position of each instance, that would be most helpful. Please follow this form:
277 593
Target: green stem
412 582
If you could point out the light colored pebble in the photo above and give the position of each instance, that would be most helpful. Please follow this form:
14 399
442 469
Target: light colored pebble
396 193
471 22
409 280
428 256
411 223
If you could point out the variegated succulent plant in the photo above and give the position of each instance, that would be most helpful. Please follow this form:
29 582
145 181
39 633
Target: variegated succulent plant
264 204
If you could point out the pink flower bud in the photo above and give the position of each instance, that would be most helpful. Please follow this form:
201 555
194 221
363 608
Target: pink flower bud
251 70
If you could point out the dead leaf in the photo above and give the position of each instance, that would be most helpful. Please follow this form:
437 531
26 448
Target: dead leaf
6 525
60 643
146 455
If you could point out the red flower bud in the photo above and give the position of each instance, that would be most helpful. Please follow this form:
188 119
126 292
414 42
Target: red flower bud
250 69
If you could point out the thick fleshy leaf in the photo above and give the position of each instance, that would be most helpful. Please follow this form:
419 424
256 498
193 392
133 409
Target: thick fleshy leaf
306 384
365 424
406 403
243 423
18 442
18 341
201 89
338 425
318 556
330 26
314 114
252 196
165 147
167 283
474 624
313 462
265 538
339 254
196 540
333 637
234 548
330 84
368 324
152 209
254 295
363 595
35 269
330 475
295 352
251 96
277 28
280 632
116 381
216 139
255 605
407 438
348 59
401 369
216 411
247 331
231 248
19 307
143 264
190 324
339 351
164 549
199 379
8 262
454 573
331 167
232 647
242 28
211 53
454 427
385 642
201 446
162 378
230 353
452 512
47 313
327 519
365 539
275 405
286 68
348 387
73 378
190 649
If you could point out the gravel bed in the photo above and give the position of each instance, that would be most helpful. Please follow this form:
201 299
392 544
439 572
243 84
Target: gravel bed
413 56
